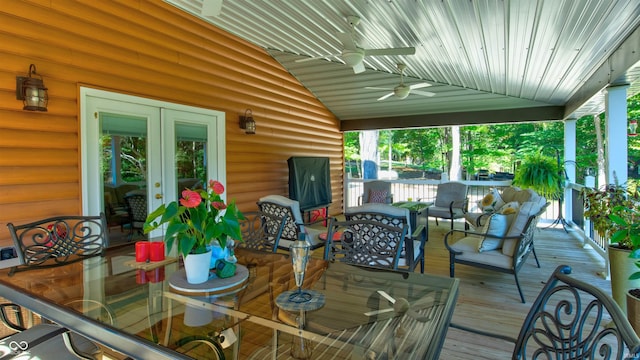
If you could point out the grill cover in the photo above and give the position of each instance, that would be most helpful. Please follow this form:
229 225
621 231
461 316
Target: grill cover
310 181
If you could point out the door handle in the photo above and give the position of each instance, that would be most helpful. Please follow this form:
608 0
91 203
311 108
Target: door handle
158 196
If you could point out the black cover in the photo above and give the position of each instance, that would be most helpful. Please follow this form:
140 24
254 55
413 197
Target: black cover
310 181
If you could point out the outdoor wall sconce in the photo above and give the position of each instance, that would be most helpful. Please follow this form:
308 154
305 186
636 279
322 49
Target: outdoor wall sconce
32 91
247 123
633 127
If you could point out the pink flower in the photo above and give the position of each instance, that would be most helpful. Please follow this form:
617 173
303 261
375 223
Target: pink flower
219 205
216 186
190 199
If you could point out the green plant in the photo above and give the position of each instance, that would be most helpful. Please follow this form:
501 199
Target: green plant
541 174
200 217
613 211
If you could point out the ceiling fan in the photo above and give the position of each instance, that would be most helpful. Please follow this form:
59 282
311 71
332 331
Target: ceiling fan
353 55
402 91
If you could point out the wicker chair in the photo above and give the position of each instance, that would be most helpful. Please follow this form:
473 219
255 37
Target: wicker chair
571 319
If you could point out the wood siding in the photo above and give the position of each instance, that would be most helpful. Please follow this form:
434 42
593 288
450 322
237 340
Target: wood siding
153 50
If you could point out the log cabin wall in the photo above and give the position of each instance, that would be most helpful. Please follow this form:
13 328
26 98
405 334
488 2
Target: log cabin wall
153 50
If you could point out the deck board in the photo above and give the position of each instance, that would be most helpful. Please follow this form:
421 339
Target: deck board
489 300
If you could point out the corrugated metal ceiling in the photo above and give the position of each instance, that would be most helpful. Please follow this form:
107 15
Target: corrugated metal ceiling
487 60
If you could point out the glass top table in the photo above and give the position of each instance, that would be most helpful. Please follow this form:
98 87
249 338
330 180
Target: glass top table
362 312
415 208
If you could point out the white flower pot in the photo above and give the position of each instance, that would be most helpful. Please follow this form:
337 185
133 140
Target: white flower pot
197 267
195 316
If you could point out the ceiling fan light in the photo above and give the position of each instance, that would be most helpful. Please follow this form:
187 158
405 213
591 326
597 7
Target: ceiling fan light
401 92
353 57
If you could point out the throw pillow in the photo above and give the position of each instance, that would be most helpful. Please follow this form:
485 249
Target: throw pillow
491 202
496 225
509 208
377 196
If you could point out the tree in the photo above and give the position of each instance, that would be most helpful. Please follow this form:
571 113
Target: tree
369 154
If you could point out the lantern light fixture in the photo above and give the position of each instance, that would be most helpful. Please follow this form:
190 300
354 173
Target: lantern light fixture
633 127
31 91
247 123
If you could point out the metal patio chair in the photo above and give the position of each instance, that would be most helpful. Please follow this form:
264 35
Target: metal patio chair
571 319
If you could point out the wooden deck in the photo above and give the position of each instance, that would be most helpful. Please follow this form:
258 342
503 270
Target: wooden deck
489 300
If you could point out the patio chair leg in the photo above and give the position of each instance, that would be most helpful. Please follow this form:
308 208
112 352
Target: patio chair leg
519 289
452 265
533 250
422 264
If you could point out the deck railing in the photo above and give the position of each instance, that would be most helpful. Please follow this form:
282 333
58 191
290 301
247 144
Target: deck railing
425 190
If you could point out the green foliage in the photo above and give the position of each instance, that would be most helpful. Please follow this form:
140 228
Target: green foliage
500 147
539 173
200 217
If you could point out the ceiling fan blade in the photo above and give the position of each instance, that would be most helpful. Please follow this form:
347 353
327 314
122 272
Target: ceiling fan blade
386 296
423 93
358 68
211 7
316 58
377 312
390 51
347 41
419 86
386 96
376 88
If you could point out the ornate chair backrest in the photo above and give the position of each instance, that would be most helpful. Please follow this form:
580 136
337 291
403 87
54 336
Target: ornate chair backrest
365 242
450 191
261 231
137 205
60 239
572 319
385 213
280 206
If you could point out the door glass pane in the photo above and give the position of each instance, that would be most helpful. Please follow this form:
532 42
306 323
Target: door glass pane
123 165
191 149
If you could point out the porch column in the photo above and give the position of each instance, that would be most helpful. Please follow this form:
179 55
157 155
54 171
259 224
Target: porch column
616 134
569 164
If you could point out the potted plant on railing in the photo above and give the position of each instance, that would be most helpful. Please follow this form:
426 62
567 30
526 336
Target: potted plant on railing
613 211
198 219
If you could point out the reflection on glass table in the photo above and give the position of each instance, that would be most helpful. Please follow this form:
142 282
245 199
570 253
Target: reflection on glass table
365 312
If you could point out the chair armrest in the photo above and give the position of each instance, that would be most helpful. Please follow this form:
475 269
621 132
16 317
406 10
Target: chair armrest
18 325
314 222
450 233
459 204
420 233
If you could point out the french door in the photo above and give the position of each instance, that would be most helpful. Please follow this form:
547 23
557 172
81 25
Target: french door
145 146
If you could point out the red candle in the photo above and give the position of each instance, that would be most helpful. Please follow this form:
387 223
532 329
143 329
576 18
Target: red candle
142 251
156 275
156 253
141 277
